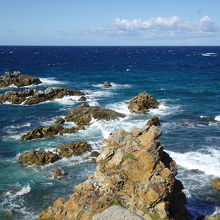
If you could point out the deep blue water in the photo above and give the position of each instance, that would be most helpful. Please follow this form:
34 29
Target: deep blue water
184 79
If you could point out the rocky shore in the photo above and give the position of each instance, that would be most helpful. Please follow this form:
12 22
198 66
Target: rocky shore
34 96
17 79
133 172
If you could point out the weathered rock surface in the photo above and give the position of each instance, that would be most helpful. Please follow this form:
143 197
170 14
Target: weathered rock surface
154 121
49 131
117 213
107 84
34 96
83 114
214 217
142 103
17 79
216 184
39 158
132 171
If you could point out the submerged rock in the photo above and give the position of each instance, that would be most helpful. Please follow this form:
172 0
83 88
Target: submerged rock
34 96
39 158
58 173
132 171
17 79
107 84
216 184
142 103
83 114
82 99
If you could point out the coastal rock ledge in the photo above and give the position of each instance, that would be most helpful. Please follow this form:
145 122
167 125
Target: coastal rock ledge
17 79
132 171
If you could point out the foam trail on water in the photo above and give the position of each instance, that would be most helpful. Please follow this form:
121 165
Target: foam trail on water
206 160
51 81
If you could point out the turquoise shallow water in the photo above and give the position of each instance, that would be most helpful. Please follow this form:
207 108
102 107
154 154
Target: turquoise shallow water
184 79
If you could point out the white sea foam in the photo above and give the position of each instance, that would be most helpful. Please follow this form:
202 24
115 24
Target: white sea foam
207 160
217 118
209 54
114 86
20 126
24 190
51 81
67 100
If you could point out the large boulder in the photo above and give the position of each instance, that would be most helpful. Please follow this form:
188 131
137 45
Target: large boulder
142 103
83 114
34 96
107 84
40 158
214 217
216 183
132 171
17 79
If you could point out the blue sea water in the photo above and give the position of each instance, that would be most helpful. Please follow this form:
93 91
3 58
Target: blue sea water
186 81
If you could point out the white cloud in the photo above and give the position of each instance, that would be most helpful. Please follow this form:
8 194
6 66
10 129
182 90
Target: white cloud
162 27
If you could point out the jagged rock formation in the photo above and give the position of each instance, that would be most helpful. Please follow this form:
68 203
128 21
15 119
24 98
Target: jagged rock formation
132 171
214 217
58 173
34 96
154 121
83 114
39 158
17 79
142 103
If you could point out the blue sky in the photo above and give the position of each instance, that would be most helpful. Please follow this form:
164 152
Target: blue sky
112 22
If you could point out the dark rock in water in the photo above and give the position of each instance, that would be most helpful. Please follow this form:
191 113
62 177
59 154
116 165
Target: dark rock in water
185 125
142 103
216 184
154 121
83 114
58 173
10 213
18 79
33 96
38 158
197 171
74 149
82 99
107 84
60 121
95 154
132 171
47 131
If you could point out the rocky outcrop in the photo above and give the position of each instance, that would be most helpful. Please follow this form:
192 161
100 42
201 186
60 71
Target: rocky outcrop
154 121
216 184
214 217
83 114
49 131
34 96
40 158
117 213
107 84
142 103
17 79
132 171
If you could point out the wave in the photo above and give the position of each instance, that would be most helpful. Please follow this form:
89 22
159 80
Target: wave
24 190
217 118
206 160
209 54
20 126
51 81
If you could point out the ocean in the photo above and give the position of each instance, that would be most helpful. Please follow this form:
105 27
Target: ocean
185 80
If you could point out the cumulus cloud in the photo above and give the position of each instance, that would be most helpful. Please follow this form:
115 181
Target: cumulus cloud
162 27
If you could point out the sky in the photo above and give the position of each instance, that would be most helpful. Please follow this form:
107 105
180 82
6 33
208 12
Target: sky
110 23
